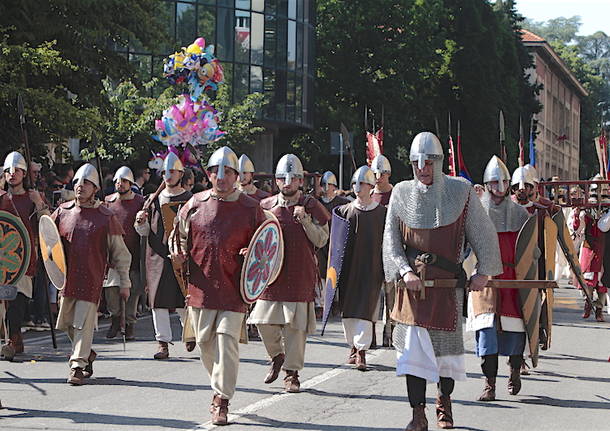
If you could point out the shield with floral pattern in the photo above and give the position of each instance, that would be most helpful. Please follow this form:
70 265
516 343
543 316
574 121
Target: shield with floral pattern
261 260
15 248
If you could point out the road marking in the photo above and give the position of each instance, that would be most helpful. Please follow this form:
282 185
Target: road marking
269 401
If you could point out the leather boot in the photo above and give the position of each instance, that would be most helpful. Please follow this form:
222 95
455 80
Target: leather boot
190 346
115 327
387 338
351 359
598 314
76 377
489 391
419 421
276 365
17 342
514 381
88 370
443 412
291 382
219 410
361 360
163 352
130 332
587 311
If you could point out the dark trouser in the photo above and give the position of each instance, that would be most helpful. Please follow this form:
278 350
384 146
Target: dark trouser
15 313
416 389
489 364
39 296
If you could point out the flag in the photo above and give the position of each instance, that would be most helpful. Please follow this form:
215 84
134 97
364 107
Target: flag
521 160
604 144
452 172
374 145
462 169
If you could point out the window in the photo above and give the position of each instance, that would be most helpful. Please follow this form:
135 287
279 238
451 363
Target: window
270 41
206 24
186 24
256 79
257 34
242 36
224 34
241 82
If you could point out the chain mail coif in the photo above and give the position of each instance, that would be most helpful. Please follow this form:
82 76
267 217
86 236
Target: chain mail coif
508 216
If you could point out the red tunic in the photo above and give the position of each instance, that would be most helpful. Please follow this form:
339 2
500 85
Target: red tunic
259 195
299 275
592 252
84 233
125 212
382 198
6 204
218 231
26 208
508 298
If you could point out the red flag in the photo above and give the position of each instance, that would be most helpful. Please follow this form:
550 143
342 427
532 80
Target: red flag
452 171
374 145
462 169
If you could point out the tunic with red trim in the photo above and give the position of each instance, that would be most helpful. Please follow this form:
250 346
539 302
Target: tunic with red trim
125 211
299 275
508 298
26 208
217 231
84 232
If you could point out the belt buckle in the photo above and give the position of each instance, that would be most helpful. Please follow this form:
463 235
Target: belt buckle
427 258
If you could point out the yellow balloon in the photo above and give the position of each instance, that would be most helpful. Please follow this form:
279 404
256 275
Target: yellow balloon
194 49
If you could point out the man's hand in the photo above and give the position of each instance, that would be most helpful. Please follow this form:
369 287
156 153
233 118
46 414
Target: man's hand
299 213
478 282
412 281
124 293
179 258
141 216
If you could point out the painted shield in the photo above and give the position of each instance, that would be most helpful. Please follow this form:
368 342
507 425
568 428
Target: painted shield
336 252
52 251
15 249
260 260
551 231
280 261
526 258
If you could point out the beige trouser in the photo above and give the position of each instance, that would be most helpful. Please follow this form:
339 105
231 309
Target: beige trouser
217 333
284 339
78 318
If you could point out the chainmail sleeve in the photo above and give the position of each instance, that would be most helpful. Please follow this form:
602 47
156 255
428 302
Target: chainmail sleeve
483 238
394 259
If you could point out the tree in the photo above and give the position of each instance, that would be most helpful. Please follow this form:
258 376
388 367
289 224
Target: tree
560 29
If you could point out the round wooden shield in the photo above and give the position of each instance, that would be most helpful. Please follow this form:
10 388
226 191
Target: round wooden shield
260 261
278 267
15 248
52 251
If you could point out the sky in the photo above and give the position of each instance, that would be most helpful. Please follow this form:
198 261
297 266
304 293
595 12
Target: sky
593 14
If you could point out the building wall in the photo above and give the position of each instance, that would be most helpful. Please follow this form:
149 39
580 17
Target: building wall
558 139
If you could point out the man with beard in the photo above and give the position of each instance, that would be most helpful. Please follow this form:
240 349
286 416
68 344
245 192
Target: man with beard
496 315
92 237
30 206
429 220
246 176
164 292
213 246
125 204
362 268
284 314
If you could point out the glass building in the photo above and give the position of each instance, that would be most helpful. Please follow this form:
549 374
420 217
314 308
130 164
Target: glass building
264 45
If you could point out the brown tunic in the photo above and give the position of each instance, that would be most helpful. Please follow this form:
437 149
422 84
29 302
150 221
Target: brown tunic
125 212
27 210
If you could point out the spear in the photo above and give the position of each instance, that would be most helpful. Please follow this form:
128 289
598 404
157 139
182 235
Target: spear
503 155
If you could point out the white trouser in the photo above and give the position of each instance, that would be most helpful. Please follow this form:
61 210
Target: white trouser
163 327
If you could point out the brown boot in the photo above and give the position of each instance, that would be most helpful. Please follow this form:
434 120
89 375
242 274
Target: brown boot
219 410
291 382
276 366
361 360
419 421
88 370
17 342
190 346
443 412
514 381
76 377
587 311
115 327
163 352
130 332
598 314
351 359
489 391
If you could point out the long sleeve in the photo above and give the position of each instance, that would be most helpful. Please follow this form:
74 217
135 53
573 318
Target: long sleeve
395 261
183 224
483 238
120 259
317 234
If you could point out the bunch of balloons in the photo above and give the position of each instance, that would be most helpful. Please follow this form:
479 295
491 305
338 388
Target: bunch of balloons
185 155
195 65
194 122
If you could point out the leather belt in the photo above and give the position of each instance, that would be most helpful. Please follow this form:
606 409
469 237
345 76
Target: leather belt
432 259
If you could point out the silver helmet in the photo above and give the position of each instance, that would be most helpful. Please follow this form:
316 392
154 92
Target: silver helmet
381 165
89 173
522 176
171 162
533 172
363 174
223 157
124 173
496 170
13 161
327 179
289 167
425 146
245 164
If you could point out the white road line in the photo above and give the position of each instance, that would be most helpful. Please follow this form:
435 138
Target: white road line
274 399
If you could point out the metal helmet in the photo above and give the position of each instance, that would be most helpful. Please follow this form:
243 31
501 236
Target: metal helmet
425 146
328 178
89 173
289 167
381 165
171 162
533 172
496 170
245 164
13 161
521 177
223 157
363 174
124 173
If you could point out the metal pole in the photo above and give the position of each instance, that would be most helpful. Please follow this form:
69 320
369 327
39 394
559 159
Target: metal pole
340 162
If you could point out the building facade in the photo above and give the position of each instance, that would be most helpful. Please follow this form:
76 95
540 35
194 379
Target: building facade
558 138
265 46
